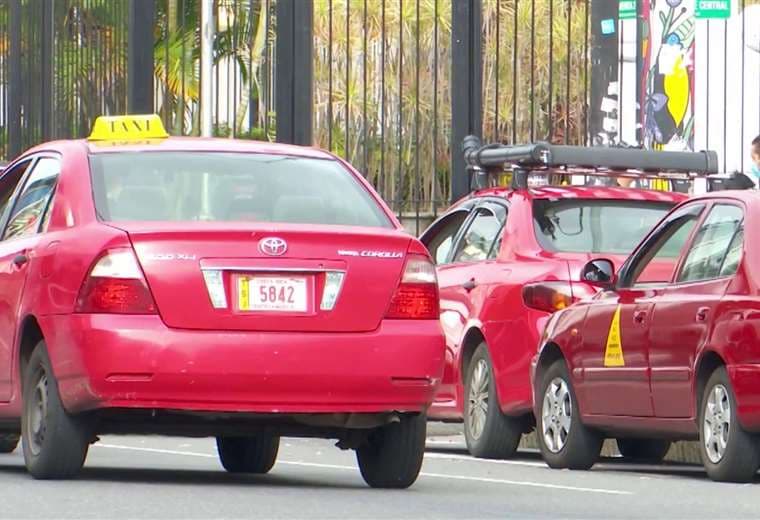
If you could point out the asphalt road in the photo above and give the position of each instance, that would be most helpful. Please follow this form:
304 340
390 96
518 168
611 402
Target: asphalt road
157 477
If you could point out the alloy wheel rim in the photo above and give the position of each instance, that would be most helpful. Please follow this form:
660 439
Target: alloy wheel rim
478 399
556 415
38 415
716 423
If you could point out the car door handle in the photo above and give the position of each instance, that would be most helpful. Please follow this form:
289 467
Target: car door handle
639 316
20 259
702 313
469 285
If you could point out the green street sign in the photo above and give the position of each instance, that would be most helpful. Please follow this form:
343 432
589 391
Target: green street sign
627 9
720 9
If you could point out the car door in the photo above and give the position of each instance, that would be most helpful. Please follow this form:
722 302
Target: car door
615 347
23 216
460 278
440 239
683 311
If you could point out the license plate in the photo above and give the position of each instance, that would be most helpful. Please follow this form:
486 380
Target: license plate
273 293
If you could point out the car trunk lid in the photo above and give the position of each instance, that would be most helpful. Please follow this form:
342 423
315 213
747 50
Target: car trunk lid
273 277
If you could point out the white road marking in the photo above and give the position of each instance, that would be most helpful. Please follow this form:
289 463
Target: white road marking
354 469
468 458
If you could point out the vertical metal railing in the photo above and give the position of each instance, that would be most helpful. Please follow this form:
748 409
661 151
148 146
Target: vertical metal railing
381 97
381 80
4 77
536 70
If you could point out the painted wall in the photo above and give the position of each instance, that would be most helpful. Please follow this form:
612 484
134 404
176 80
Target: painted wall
667 76
699 82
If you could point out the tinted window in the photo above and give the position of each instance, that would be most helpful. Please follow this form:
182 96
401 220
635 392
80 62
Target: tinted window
31 205
591 226
478 241
440 242
8 184
711 244
208 186
659 256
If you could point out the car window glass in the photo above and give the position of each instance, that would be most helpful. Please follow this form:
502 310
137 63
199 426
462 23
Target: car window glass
497 244
442 240
8 184
30 206
193 186
479 237
594 226
734 254
661 254
710 246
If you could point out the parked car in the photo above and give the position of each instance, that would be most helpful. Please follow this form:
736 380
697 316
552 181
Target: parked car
184 286
667 350
508 257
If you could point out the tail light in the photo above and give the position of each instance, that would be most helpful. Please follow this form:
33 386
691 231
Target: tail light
416 296
548 296
116 285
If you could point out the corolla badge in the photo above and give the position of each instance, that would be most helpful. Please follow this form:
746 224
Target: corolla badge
273 246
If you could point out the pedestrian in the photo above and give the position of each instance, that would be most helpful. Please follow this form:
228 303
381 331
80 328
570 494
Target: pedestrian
755 154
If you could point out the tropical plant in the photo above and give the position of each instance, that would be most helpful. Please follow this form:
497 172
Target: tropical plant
382 85
241 36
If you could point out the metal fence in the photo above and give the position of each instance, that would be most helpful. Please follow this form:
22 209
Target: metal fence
61 64
391 85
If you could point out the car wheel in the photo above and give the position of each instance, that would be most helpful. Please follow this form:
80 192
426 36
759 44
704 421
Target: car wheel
392 455
488 432
8 442
55 442
255 454
643 450
564 440
729 453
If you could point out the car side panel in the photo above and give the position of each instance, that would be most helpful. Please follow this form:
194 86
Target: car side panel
735 338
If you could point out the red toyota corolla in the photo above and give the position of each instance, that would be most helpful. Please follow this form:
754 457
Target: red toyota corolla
509 257
668 350
210 288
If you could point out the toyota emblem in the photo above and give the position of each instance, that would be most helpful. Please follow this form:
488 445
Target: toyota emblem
273 246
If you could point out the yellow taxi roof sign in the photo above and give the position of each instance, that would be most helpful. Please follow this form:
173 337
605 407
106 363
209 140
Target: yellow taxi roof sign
128 128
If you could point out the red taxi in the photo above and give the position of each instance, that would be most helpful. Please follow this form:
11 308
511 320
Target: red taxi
238 290
667 350
509 257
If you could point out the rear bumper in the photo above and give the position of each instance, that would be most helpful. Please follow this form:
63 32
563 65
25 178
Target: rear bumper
116 361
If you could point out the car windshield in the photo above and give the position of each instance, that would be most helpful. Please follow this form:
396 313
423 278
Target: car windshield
594 226
215 186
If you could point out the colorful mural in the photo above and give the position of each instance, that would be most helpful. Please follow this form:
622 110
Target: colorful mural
667 95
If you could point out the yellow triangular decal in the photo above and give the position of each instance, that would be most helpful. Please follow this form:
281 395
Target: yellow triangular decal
613 353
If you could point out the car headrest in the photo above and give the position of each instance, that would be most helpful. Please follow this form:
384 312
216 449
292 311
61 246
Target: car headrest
141 203
301 209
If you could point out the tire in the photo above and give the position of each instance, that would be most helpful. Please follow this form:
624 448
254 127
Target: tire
488 432
739 459
565 442
392 455
55 442
8 442
255 455
643 450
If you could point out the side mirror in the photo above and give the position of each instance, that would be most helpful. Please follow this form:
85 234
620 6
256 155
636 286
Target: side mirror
599 272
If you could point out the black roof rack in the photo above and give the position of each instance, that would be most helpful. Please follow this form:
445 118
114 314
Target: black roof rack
629 162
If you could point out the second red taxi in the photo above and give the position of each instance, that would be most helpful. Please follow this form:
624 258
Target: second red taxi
508 257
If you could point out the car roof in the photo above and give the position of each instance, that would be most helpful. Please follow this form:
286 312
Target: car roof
583 192
184 144
746 196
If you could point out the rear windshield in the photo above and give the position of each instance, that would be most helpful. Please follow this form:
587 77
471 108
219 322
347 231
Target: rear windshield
213 186
594 226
